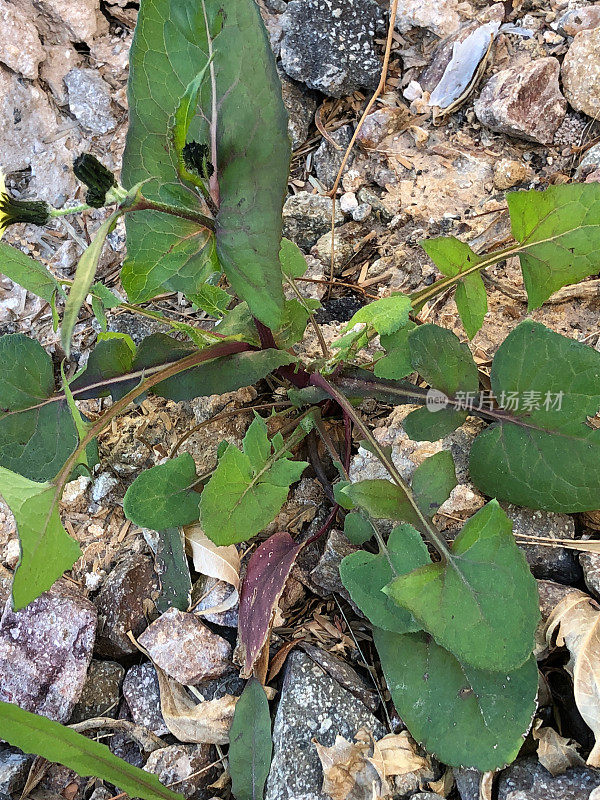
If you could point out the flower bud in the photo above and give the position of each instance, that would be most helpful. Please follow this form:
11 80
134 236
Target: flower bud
98 178
36 212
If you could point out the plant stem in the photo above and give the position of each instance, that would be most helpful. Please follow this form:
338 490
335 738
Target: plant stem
317 328
64 212
432 535
143 204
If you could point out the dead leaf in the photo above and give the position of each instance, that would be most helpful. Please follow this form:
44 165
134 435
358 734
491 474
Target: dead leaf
486 786
396 754
222 563
575 623
205 722
280 657
348 773
267 572
445 784
555 753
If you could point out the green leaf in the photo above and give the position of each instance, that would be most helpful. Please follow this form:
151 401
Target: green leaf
293 262
381 499
84 277
211 299
46 548
385 316
36 436
542 454
248 488
295 320
250 744
357 528
171 47
425 425
28 273
559 229
173 571
466 717
432 482
396 364
482 604
163 496
471 302
110 358
450 255
365 574
57 743
442 360
183 117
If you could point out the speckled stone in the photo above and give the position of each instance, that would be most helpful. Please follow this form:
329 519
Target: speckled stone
142 695
183 766
526 779
185 648
100 695
326 575
548 563
45 651
312 706
327 158
581 73
306 217
14 768
121 605
524 101
330 44
90 100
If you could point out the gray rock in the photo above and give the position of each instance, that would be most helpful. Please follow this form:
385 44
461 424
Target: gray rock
100 695
185 648
326 575
312 706
306 217
549 563
121 604
327 159
330 44
228 683
142 695
300 105
426 796
89 100
579 19
214 592
45 651
22 50
590 162
524 101
345 237
590 563
581 72
526 778
14 768
183 766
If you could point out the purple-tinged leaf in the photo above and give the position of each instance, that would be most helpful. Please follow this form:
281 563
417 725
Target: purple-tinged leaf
268 570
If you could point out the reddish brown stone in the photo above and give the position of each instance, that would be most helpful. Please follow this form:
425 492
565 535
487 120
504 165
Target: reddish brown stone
524 102
122 604
185 648
45 651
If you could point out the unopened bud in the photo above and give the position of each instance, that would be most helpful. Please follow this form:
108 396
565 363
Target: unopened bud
98 178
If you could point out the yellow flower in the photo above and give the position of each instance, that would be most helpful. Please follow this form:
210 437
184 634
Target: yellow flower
37 212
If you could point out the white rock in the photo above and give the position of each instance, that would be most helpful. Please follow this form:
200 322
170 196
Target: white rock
348 202
441 17
21 49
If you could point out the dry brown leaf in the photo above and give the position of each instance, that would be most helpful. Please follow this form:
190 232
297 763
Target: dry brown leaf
445 784
206 722
396 754
348 773
486 785
222 563
555 753
581 545
575 623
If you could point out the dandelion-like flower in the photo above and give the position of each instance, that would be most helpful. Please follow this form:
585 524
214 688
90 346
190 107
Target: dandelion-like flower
37 212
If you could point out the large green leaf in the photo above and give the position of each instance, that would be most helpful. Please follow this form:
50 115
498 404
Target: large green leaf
542 454
245 126
438 356
36 436
28 273
433 480
481 604
57 743
365 574
559 230
248 488
163 496
381 499
46 548
250 745
466 717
